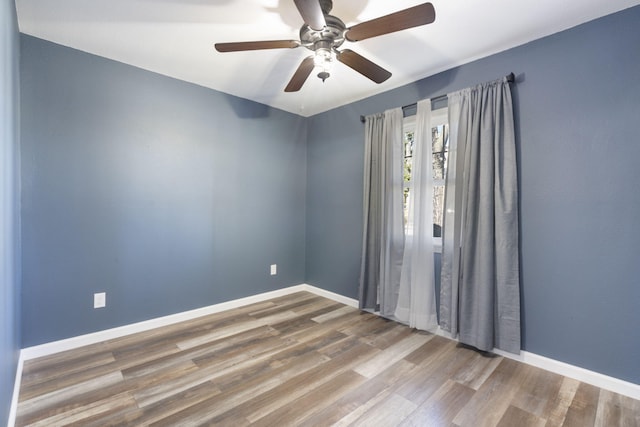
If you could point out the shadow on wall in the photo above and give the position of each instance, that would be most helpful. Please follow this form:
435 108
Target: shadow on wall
437 85
246 109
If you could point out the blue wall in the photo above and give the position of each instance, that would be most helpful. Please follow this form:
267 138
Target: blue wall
578 104
165 195
9 214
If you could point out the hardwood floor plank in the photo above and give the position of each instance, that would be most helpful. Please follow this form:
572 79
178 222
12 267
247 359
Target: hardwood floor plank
390 410
356 398
269 343
341 346
433 371
559 404
389 356
66 358
297 296
269 373
156 379
311 328
333 314
431 351
323 342
235 328
219 347
582 411
301 384
441 407
477 370
537 392
316 308
368 331
67 377
324 395
165 408
56 397
117 418
348 405
396 375
348 324
69 398
313 308
79 414
361 411
616 410
302 300
227 408
366 323
518 417
489 404
212 371
158 351
385 338
34 375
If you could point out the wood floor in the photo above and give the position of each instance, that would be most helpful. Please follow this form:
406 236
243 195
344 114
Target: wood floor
302 360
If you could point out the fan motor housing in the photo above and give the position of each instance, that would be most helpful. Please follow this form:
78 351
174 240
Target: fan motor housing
332 34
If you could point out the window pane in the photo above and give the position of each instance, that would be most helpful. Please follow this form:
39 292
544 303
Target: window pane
407 168
438 212
405 202
408 155
439 161
408 144
440 142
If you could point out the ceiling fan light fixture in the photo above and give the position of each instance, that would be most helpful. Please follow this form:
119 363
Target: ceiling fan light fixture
323 58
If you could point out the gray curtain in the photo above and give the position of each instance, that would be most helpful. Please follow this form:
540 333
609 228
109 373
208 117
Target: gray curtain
480 288
383 234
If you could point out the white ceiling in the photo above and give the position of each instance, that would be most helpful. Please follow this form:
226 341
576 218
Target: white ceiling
176 37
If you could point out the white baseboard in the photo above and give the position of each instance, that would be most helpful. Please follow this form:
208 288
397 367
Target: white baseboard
108 334
331 295
590 377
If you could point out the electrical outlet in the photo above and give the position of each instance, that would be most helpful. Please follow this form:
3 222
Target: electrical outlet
100 300
274 269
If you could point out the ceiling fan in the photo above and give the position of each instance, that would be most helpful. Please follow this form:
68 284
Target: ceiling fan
323 34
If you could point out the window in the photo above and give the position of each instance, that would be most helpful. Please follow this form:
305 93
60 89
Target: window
440 148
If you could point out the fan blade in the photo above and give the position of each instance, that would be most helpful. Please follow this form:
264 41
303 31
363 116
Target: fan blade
413 17
363 66
271 44
301 74
311 12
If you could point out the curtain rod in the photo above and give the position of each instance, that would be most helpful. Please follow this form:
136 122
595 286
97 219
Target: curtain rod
511 78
